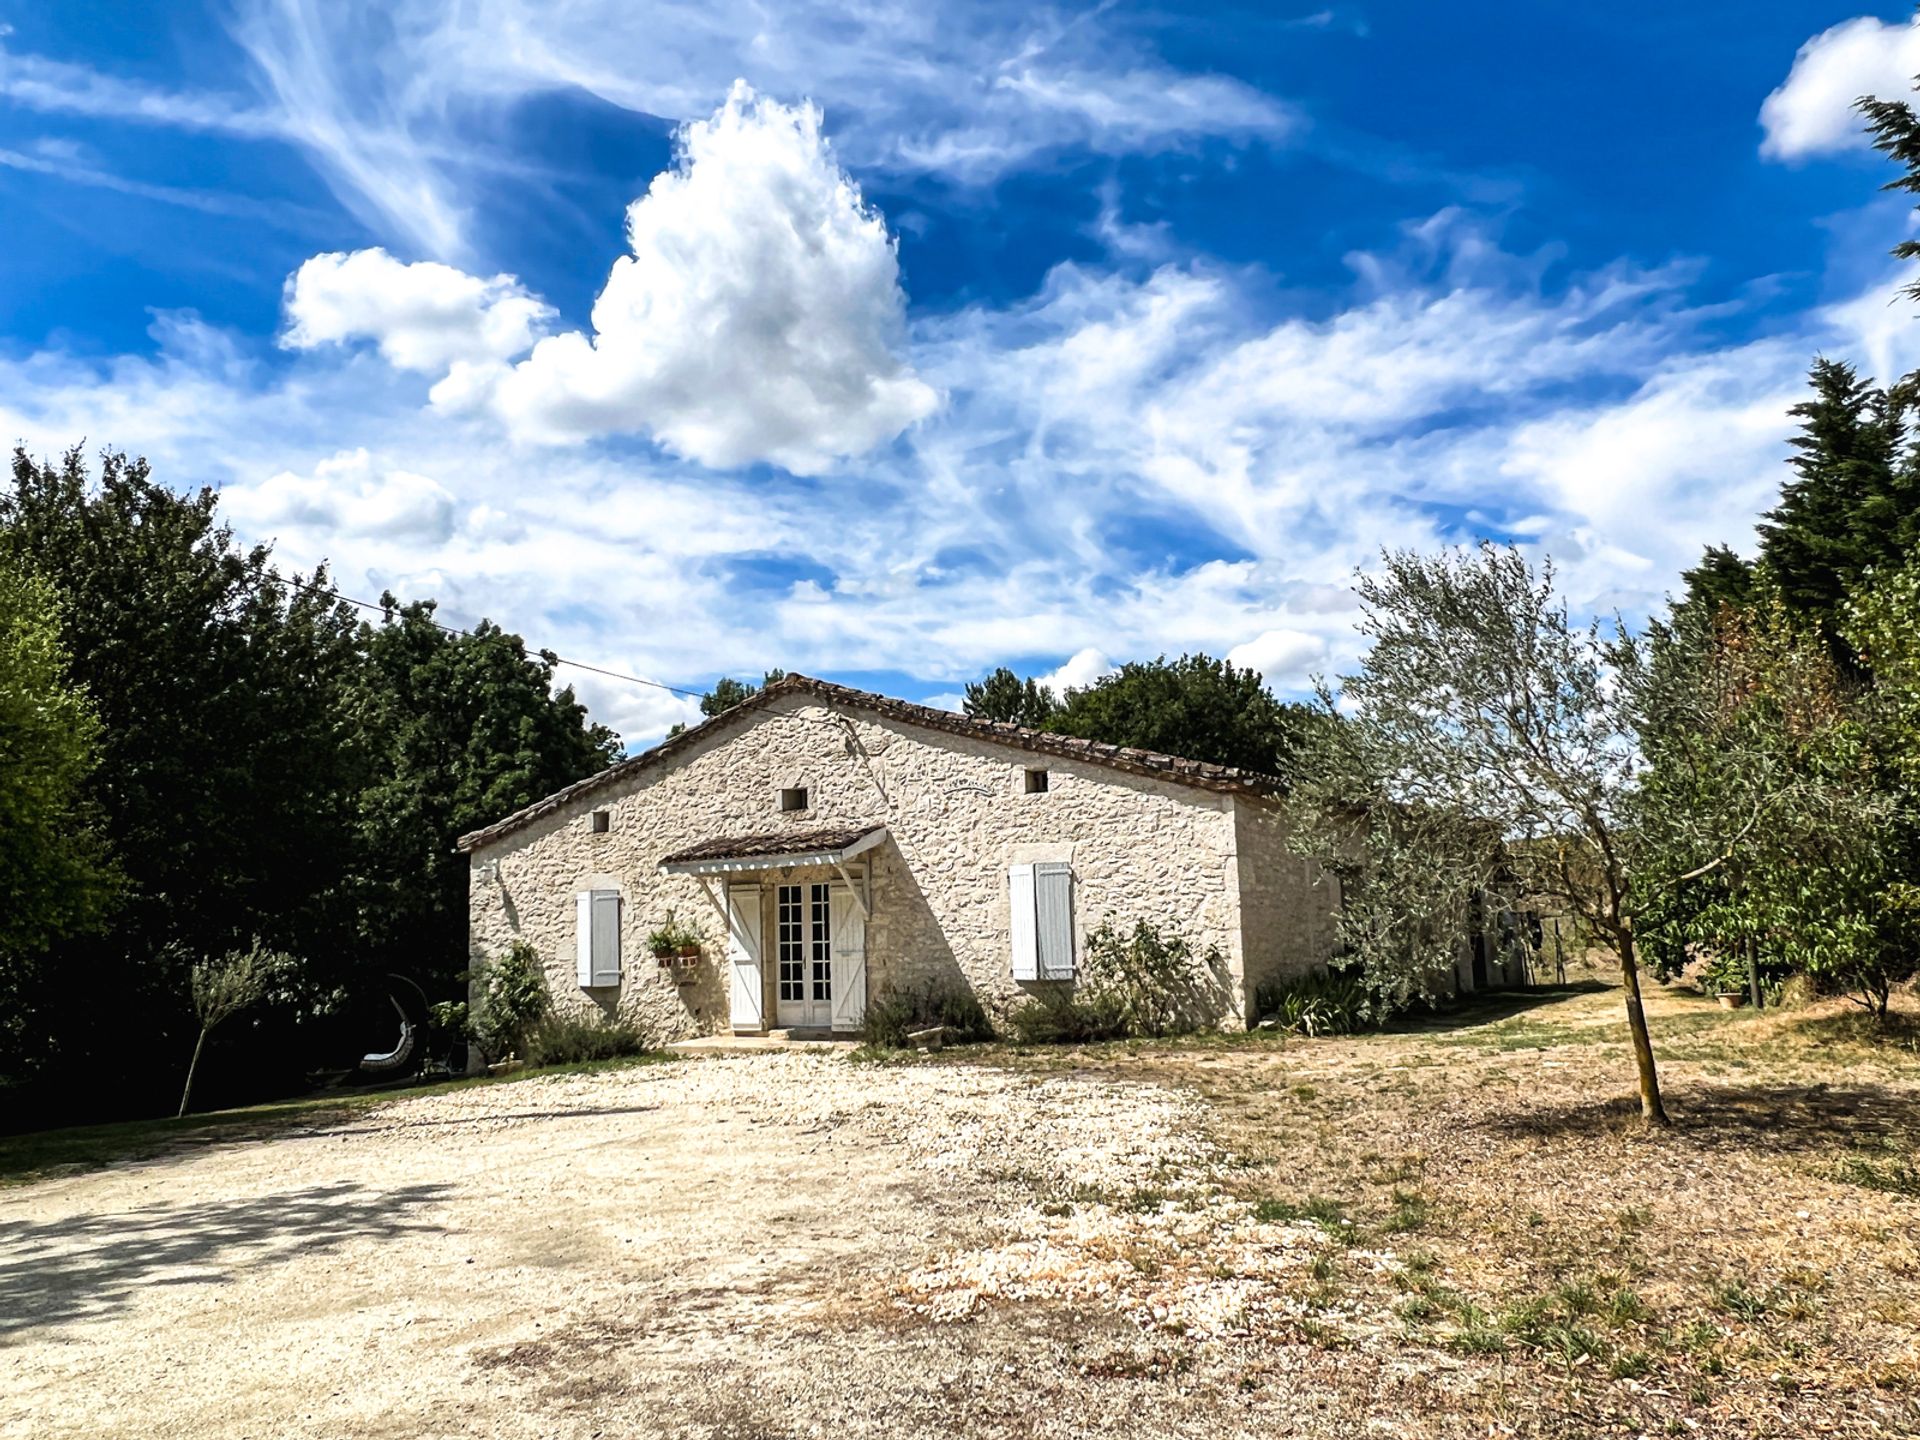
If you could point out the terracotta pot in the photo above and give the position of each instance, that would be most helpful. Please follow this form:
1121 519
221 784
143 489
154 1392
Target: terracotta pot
689 954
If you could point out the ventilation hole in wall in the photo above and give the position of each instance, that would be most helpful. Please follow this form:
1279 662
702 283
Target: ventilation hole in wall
794 798
602 821
1036 782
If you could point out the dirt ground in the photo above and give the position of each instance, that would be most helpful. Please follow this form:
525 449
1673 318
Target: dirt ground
1451 1232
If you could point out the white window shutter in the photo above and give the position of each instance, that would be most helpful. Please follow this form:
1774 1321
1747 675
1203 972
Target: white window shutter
596 938
606 937
1026 942
583 938
1053 918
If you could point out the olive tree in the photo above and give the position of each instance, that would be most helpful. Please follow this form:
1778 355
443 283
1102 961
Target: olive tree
1487 748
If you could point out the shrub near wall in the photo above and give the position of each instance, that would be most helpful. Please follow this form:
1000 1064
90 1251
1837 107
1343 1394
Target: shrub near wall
1324 1002
562 1040
512 1000
893 1015
1137 983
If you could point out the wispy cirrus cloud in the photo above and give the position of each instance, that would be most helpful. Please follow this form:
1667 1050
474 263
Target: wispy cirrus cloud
61 87
401 105
738 466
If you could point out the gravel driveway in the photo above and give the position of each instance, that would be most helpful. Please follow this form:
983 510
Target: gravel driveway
781 1244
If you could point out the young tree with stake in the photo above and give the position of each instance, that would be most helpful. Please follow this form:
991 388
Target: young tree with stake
221 989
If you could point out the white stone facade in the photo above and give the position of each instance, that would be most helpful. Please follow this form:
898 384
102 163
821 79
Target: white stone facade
1207 859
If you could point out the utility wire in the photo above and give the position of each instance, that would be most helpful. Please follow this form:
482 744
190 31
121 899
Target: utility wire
468 634
838 722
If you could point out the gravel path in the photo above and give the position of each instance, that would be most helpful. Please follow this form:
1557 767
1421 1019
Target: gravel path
767 1245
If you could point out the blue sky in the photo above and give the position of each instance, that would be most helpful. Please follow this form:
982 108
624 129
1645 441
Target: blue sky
698 338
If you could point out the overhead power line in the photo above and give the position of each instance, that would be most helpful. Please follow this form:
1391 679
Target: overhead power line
838 722
468 634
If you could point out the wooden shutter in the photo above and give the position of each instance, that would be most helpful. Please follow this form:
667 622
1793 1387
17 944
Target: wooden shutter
606 937
1053 918
583 938
748 997
849 950
1026 943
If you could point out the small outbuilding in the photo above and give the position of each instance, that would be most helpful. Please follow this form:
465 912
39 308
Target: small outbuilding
828 845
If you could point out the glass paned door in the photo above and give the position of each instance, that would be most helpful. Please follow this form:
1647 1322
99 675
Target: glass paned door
805 945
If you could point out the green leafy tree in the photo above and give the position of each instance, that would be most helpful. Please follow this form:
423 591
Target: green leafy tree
1883 624
269 766
227 766
1764 812
1720 580
463 729
1196 707
55 877
1005 698
1410 866
1895 129
728 692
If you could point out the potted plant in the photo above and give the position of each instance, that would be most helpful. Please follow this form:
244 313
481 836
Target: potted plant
1725 978
676 945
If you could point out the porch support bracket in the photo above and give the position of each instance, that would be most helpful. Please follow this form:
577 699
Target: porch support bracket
866 911
718 903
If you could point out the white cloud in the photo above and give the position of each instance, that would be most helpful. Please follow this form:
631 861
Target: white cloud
1279 655
1080 671
423 316
757 319
1812 112
642 714
345 496
1127 466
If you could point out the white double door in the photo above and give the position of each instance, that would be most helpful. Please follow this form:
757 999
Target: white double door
819 957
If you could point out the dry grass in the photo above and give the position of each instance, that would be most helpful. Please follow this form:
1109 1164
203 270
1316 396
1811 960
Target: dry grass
1560 1269
1456 1231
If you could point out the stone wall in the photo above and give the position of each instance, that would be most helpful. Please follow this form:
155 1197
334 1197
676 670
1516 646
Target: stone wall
1287 904
958 813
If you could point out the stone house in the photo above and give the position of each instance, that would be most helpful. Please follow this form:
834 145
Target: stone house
832 845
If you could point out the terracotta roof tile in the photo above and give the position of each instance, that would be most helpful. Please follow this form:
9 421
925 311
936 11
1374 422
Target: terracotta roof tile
779 842
1197 773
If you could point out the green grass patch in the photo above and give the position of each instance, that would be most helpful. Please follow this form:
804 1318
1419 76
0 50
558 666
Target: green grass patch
1740 1302
1410 1211
1896 1176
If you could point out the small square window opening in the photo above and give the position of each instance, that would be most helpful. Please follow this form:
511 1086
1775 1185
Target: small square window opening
602 821
1036 782
794 798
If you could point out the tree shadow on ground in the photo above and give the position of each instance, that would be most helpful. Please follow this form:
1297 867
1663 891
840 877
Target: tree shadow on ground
1489 1006
488 1117
1767 1119
87 1267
